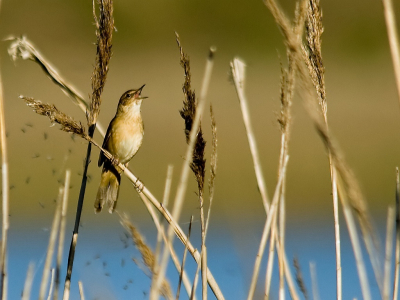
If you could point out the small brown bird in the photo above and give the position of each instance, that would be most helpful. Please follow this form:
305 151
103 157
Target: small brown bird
123 139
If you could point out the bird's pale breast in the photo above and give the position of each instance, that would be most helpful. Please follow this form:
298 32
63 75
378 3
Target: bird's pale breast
126 138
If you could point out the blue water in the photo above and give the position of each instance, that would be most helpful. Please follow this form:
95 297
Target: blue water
104 262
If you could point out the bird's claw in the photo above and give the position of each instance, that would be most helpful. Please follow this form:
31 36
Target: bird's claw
139 185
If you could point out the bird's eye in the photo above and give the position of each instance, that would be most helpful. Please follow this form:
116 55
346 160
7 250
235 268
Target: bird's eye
129 96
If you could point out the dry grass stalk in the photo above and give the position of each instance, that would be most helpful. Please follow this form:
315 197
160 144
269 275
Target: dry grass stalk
393 36
313 57
51 284
105 28
184 260
213 166
24 49
237 69
186 166
177 263
81 293
397 254
350 184
267 227
51 247
26 294
270 263
314 283
61 238
5 198
167 190
198 164
388 252
299 278
147 255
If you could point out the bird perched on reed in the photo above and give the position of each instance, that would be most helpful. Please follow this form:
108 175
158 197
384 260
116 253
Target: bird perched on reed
123 139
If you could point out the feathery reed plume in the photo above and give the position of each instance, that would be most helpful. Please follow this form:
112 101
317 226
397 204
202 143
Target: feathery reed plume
181 190
213 165
147 255
312 54
299 278
184 260
198 163
56 117
397 254
105 28
5 200
348 188
24 49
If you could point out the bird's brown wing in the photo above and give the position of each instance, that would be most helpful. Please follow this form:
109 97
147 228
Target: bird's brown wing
102 157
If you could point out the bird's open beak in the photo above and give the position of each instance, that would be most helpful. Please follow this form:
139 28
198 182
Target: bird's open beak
140 91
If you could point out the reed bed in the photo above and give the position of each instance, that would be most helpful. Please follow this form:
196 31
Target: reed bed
305 73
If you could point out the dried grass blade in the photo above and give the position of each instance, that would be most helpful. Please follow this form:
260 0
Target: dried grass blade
81 292
393 36
184 260
266 231
185 169
5 197
61 239
50 249
397 254
238 73
314 282
26 294
388 252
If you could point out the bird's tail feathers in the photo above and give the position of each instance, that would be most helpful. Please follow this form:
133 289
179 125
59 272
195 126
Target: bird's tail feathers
108 190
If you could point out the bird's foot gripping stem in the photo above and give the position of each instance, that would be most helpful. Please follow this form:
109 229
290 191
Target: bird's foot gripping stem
139 185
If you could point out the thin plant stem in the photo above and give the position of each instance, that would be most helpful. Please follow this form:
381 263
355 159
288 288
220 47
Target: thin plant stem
81 293
26 294
51 284
397 254
266 231
393 36
270 264
184 260
61 237
351 226
237 68
5 197
314 282
167 190
153 214
51 247
186 168
388 252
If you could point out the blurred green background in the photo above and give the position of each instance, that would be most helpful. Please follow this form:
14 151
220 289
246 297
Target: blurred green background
363 109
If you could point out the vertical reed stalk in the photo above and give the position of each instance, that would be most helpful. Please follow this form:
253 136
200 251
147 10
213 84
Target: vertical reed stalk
51 247
81 293
184 260
388 252
26 294
397 254
5 200
61 237
185 169
393 36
